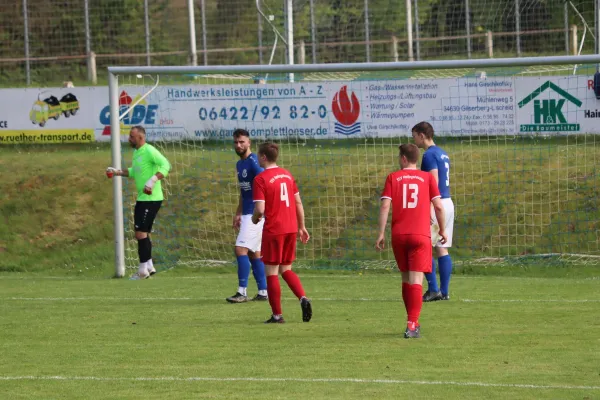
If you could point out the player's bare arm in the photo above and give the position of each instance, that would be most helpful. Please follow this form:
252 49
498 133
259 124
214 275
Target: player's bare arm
435 174
237 218
441 219
259 211
384 211
304 236
152 181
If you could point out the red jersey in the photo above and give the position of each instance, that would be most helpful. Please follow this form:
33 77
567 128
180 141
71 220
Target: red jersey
277 188
411 192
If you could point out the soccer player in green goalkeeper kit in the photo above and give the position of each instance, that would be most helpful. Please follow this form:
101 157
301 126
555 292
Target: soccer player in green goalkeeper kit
148 167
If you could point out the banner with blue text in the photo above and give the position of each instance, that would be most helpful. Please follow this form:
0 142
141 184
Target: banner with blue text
320 110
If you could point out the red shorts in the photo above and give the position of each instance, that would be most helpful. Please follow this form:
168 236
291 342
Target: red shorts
279 249
412 252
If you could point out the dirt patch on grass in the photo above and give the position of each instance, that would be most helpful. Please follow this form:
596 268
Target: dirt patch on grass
34 182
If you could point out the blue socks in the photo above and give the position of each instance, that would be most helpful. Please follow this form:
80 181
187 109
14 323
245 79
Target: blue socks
432 285
258 270
243 270
445 267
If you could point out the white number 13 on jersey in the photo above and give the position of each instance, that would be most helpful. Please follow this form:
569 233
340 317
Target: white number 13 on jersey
412 190
284 194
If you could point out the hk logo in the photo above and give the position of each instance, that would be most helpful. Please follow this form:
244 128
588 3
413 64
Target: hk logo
548 114
346 110
548 111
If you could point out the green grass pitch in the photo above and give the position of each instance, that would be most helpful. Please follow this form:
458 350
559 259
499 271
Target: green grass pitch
519 331
175 337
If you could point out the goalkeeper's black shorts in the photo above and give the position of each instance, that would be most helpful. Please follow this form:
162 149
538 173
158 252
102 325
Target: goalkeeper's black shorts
144 215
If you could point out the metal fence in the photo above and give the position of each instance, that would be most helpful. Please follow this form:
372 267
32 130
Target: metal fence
50 41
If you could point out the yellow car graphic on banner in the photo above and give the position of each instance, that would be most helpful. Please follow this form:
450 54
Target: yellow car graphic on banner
52 108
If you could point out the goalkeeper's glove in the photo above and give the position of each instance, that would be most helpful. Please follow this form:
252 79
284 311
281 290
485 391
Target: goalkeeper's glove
110 172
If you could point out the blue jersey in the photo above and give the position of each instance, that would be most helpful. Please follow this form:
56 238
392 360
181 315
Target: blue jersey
436 158
246 171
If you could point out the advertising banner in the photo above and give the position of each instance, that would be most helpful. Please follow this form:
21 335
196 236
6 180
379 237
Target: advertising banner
58 115
463 106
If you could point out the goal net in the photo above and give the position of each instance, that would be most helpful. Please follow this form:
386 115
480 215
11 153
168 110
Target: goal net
523 143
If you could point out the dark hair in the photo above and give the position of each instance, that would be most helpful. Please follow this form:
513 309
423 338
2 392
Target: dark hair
410 151
425 128
140 129
269 150
240 132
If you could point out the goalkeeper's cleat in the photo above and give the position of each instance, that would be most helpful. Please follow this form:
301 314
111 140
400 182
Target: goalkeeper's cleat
237 298
150 267
142 272
432 296
260 297
306 309
413 331
274 320
445 297
138 277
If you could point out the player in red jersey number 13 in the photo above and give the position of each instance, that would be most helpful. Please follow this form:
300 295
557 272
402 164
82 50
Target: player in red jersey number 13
276 197
410 192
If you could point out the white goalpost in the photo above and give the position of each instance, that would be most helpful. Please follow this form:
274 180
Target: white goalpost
288 40
523 141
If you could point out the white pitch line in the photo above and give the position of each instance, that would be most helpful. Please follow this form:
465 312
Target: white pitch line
356 276
358 299
531 301
299 380
394 276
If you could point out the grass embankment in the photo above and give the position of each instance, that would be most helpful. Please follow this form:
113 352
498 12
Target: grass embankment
513 198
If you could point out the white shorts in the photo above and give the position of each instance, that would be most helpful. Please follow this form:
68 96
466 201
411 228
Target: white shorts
449 214
250 235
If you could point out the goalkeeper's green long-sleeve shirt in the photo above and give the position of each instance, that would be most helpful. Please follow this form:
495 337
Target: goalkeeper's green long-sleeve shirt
147 161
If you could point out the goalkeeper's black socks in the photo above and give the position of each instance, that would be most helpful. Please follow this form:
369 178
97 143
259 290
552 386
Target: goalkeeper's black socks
145 249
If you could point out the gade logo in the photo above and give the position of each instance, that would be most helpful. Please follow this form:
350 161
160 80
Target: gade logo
548 114
142 114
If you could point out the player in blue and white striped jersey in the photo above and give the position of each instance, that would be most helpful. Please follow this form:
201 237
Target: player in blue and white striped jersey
437 162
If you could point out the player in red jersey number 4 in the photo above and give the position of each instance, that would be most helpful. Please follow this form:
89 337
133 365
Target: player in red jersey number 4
410 193
276 197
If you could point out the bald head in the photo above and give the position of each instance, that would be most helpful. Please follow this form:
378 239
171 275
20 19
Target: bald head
137 136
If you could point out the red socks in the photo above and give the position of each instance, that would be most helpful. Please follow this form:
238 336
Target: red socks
294 283
413 300
274 292
274 289
405 295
